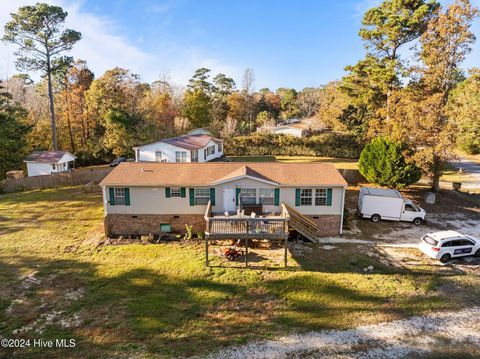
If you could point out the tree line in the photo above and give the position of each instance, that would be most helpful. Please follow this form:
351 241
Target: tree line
422 100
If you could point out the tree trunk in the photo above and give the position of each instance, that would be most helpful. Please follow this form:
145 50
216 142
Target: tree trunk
69 123
52 106
387 109
437 172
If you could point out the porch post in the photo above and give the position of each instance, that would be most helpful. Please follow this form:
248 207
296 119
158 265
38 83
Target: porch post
246 252
285 252
206 251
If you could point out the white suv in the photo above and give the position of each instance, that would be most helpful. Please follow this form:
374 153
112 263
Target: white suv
449 244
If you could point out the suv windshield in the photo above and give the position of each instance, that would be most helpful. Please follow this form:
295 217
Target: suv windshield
430 240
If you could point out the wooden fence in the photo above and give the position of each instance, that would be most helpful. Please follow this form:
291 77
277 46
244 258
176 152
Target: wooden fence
74 178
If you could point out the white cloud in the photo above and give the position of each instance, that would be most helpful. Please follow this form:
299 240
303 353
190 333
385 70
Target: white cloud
104 47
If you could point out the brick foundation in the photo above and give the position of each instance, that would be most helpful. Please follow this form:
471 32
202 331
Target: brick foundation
329 224
145 224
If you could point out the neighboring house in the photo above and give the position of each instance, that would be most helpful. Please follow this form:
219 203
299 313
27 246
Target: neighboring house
196 146
46 162
294 128
149 198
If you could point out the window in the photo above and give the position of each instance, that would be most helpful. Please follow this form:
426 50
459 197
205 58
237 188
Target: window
180 156
53 166
209 151
158 156
431 241
175 192
119 194
249 196
266 196
220 147
306 197
410 208
202 195
320 197
194 155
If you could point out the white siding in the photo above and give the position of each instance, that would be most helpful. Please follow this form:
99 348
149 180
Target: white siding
217 154
152 200
147 153
38 169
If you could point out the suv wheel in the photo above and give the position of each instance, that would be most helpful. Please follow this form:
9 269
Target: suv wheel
417 221
477 253
376 218
445 258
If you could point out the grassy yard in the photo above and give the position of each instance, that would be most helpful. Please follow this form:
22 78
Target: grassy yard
338 162
159 299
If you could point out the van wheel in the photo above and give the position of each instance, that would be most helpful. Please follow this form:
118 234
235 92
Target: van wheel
445 258
376 218
417 221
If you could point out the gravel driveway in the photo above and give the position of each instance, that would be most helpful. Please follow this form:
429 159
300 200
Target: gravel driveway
417 336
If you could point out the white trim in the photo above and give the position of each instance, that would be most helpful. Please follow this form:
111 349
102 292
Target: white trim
246 176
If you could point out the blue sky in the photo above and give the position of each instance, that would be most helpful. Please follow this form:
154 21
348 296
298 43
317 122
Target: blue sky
287 43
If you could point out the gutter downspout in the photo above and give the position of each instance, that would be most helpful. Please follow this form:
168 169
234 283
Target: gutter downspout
343 209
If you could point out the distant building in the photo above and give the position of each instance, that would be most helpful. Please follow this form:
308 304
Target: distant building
47 162
292 127
198 145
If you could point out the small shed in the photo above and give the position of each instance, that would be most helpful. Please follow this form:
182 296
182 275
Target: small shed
47 162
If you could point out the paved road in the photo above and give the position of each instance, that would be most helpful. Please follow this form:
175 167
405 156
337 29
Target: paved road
471 168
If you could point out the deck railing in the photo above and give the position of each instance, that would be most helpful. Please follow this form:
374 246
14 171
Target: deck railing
269 227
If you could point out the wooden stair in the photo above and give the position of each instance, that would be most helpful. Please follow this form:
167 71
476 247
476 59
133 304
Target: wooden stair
304 225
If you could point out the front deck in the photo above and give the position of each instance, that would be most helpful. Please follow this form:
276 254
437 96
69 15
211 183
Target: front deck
271 227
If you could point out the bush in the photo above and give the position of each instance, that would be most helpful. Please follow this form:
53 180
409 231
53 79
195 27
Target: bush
323 145
382 162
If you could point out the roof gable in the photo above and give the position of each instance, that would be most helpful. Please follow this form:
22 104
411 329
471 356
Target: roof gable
245 172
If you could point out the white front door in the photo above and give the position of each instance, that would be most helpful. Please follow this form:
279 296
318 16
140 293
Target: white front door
229 199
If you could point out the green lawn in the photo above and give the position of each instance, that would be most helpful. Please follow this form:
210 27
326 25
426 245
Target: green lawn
159 299
345 163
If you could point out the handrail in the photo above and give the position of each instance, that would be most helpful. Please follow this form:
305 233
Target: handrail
208 211
298 216
284 212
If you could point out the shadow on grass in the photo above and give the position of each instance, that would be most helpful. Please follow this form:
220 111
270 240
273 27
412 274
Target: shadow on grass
144 311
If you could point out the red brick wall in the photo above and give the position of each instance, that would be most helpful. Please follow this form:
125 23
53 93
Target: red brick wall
329 224
145 224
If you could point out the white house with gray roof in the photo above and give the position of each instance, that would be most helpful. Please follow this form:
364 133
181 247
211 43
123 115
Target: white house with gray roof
196 146
47 162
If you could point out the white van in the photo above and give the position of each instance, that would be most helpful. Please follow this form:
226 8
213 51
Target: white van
388 204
